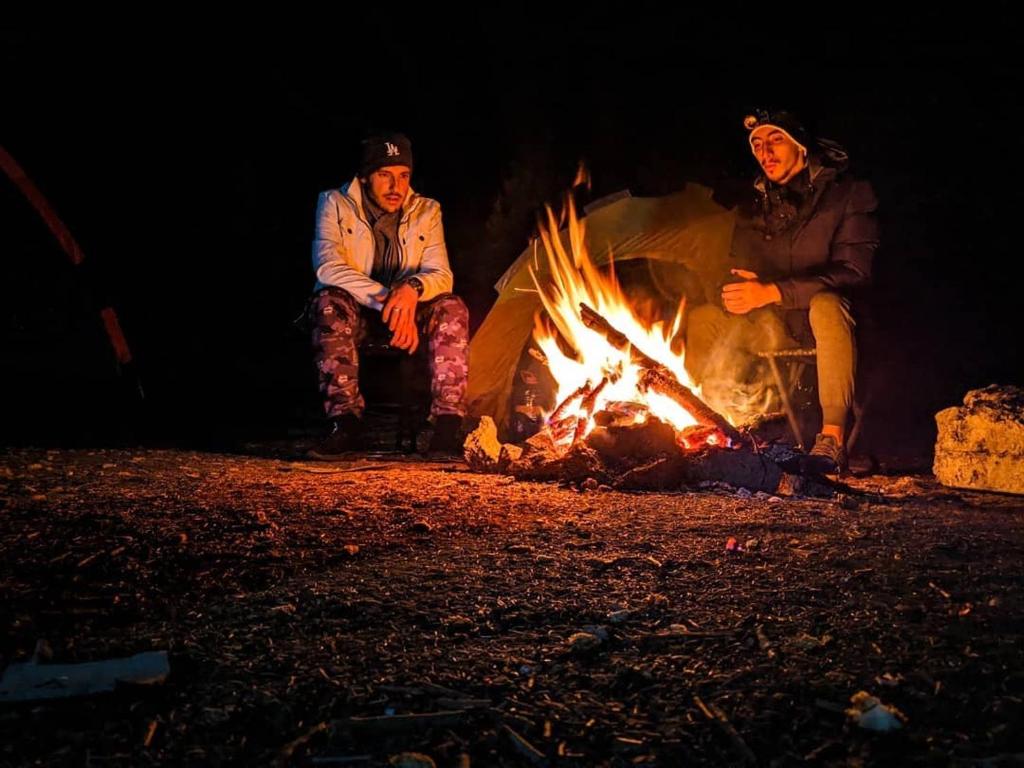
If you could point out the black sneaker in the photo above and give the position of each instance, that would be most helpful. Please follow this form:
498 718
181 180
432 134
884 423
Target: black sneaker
827 457
447 437
347 436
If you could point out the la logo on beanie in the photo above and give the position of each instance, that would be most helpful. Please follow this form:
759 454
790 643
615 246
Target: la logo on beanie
392 149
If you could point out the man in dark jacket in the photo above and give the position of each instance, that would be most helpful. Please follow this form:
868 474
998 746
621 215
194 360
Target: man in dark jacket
808 238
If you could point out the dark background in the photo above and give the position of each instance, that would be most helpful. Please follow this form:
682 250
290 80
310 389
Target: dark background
186 160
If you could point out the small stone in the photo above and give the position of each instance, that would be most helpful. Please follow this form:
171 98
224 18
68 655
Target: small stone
411 760
656 600
508 455
619 617
519 549
583 642
458 623
350 549
481 448
804 642
590 484
869 713
421 526
846 501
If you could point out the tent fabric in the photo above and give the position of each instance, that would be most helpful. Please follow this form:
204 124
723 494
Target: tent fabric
686 229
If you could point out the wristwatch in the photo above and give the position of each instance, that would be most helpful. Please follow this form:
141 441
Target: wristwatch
417 285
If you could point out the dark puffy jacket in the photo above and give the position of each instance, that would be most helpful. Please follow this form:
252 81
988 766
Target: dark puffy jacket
826 240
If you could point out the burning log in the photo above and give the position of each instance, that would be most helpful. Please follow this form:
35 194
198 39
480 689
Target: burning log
558 414
663 382
596 322
659 378
635 442
740 468
621 414
587 409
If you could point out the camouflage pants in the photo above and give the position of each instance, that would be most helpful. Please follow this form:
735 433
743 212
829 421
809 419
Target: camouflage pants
339 327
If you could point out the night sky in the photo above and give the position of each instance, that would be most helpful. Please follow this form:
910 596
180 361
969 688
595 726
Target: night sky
186 160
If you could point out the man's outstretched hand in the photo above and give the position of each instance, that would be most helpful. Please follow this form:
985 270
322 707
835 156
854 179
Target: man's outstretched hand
740 298
399 313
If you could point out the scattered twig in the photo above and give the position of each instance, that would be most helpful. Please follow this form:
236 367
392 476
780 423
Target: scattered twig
150 732
676 636
763 642
525 748
939 589
716 715
336 470
289 749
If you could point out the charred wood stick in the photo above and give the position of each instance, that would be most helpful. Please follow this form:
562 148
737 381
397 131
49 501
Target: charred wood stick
663 382
716 715
587 409
525 748
557 414
596 322
563 428
589 399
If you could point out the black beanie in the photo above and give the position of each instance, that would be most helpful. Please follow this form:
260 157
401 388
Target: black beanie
384 150
786 122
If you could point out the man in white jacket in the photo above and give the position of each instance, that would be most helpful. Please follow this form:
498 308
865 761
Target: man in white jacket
379 256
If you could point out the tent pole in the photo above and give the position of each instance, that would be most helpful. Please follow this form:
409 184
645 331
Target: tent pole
112 326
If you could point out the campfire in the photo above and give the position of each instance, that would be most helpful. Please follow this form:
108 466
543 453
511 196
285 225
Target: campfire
627 413
619 368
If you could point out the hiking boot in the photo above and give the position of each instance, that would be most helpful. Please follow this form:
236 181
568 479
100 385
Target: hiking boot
347 436
447 437
827 457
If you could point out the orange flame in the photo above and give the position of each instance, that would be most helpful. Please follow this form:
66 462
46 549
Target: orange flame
574 280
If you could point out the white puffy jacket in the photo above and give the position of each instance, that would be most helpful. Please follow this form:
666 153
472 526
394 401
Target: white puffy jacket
343 246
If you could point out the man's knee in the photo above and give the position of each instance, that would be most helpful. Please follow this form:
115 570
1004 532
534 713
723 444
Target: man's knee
706 313
449 317
334 305
451 306
336 325
705 318
829 310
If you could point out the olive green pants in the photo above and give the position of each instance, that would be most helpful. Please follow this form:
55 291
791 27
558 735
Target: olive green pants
721 348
